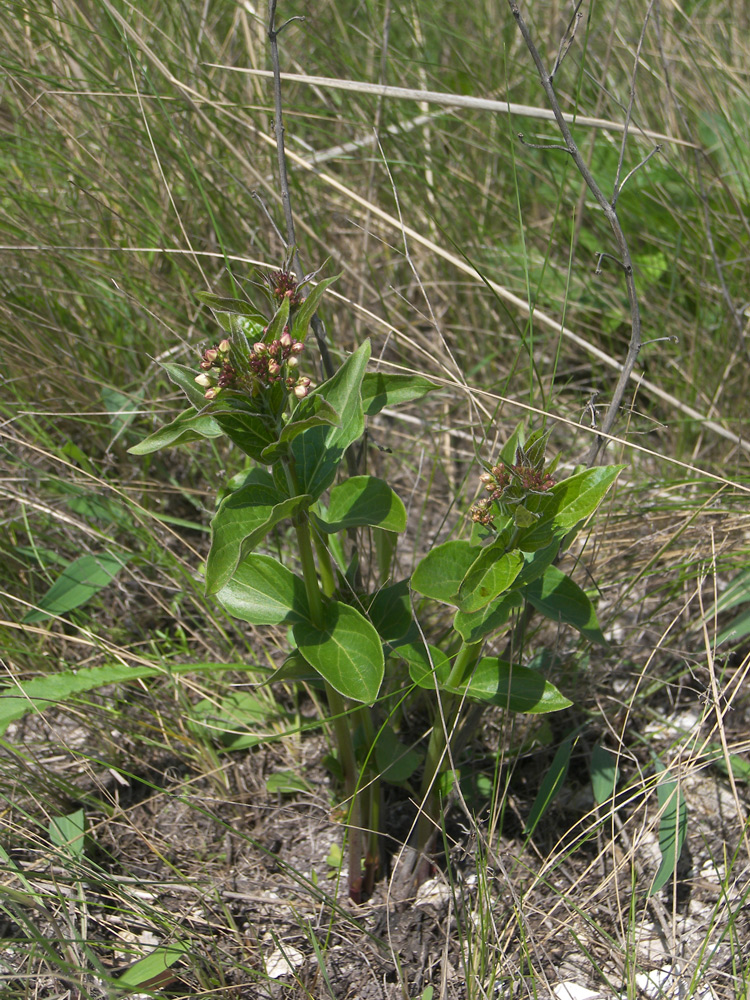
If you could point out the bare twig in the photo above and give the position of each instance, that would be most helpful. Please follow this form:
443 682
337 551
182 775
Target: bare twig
278 125
637 167
567 39
629 112
737 313
286 201
611 214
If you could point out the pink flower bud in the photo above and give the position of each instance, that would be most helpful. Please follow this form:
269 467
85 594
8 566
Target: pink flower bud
273 368
300 391
260 348
285 340
297 347
212 393
292 362
224 346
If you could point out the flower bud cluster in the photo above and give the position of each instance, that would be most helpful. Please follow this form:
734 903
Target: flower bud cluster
284 286
508 486
216 371
277 361
266 365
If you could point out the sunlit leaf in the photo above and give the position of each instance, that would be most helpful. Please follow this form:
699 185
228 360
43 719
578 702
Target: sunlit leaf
380 390
489 576
78 583
604 773
188 426
672 827
360 501
557 597
551 785
263 592
440 573
345 650
515 688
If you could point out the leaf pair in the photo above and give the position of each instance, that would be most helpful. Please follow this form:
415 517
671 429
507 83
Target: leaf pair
344 648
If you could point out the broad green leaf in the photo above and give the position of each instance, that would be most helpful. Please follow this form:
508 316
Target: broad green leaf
218 303
280 319
237 415
737 629
235 315
672 827
523 517
508 453
286 783
189 426
184 378
396 763
476 625
152 971
95 507
345 650
380 390
78 583
604 773
318 451
229 720
535 563
296 668
390 612
541 534
71 450
490 575
41 693
579 496
318 414
517 689
305 312
121 408
428 666
440 573
263 592
69 832
240 420
551 785
739 765
738 592
242 521
557 597
363 500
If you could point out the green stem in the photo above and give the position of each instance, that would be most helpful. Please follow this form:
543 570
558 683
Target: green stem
325 565
436 758
348 761
336 705
370 809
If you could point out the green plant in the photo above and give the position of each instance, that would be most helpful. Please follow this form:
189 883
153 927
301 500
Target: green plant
352 627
